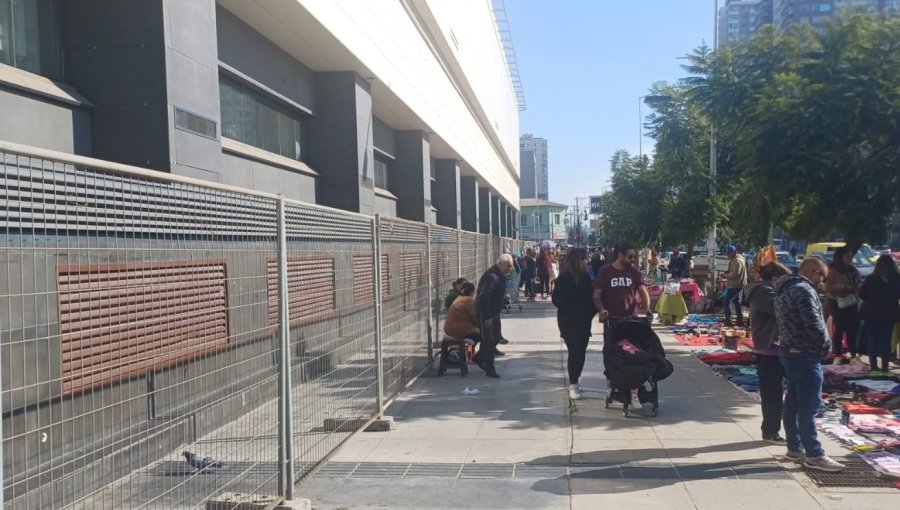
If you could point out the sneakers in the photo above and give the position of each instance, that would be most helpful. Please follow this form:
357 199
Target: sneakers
575 392
492 373
502 341
795 454
498 352
775 439
823 463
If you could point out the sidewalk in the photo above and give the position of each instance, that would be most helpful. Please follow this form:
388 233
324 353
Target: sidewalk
520 445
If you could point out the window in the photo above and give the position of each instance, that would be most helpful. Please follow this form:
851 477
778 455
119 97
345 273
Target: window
381 172
30 36
824 7
556 219
254 119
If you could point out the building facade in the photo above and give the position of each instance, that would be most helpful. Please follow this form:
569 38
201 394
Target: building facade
543 220
740 19
536 169
404 108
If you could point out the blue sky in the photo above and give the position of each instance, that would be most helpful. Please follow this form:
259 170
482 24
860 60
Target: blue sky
583 65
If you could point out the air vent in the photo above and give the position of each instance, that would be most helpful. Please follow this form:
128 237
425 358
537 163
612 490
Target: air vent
193 123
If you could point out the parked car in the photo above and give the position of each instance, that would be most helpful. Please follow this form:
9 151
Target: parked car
862 264
829 247
785 258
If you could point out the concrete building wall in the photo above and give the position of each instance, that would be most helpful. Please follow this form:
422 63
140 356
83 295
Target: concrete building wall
528 182
116 58
388 41
31 119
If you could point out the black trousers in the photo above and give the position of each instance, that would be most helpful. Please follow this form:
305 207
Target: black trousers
577 348
846 320
771 392
489 339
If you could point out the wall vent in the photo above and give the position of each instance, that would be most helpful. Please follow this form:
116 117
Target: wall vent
193 123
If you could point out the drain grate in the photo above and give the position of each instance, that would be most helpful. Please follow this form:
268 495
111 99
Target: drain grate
487 471
856 474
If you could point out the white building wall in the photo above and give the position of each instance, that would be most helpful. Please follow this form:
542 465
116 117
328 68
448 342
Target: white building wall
382 35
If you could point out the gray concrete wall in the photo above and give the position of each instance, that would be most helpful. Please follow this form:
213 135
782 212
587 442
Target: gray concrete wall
35 120
383 137
495 214
385 206
116 58
468 203
410 176
484 210
341 142
252 174
192 84
446 192
246 50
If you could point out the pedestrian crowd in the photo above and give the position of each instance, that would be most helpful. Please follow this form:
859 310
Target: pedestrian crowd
787 320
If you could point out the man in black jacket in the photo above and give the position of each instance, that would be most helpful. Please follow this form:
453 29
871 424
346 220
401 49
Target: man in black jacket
489 301
804 342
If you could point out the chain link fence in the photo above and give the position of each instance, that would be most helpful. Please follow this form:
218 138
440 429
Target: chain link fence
164 340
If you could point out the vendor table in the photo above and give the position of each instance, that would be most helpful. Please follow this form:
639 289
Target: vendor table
671 308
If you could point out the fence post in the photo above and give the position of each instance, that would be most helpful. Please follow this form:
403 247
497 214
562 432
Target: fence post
458 252
285 407
432 293
379 355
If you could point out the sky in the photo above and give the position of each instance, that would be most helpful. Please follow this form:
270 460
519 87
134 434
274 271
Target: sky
584 64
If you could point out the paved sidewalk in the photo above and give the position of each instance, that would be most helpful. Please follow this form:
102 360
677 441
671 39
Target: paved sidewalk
519 444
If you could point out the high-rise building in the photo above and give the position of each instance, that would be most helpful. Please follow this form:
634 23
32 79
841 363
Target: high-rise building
740 19
534 181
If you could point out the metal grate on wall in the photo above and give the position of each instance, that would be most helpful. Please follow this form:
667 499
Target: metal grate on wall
196 124
310 289
119 321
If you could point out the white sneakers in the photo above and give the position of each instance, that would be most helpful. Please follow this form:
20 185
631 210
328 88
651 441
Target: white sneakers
575 392
823 463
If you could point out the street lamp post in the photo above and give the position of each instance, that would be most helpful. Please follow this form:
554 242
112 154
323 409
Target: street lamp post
651 100
711 241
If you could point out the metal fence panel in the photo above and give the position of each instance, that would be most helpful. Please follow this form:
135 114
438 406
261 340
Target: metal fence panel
330 274
134 327
406 307
139 319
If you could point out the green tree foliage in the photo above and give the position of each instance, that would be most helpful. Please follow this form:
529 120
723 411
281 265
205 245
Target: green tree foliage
811 123
632 208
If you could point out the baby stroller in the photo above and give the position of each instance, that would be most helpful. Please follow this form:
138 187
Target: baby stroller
512 292
634 359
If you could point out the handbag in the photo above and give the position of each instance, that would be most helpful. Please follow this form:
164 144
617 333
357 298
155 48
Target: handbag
846 301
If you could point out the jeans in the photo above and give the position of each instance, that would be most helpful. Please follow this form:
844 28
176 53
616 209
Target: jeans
771 392
577 348
803 372
845 320
879 339
734 296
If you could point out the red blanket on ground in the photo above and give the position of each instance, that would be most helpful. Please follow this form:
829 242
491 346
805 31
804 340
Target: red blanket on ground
695 340
727 358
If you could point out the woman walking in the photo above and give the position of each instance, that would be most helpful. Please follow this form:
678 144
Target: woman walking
842 287
880 294
764 329
573 298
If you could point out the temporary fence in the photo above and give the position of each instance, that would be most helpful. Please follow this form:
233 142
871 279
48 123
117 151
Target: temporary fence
164 340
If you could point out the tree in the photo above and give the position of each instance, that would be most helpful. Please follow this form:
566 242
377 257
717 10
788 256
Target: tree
633 206
812 125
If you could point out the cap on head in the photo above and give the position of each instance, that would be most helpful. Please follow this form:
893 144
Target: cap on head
730 249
